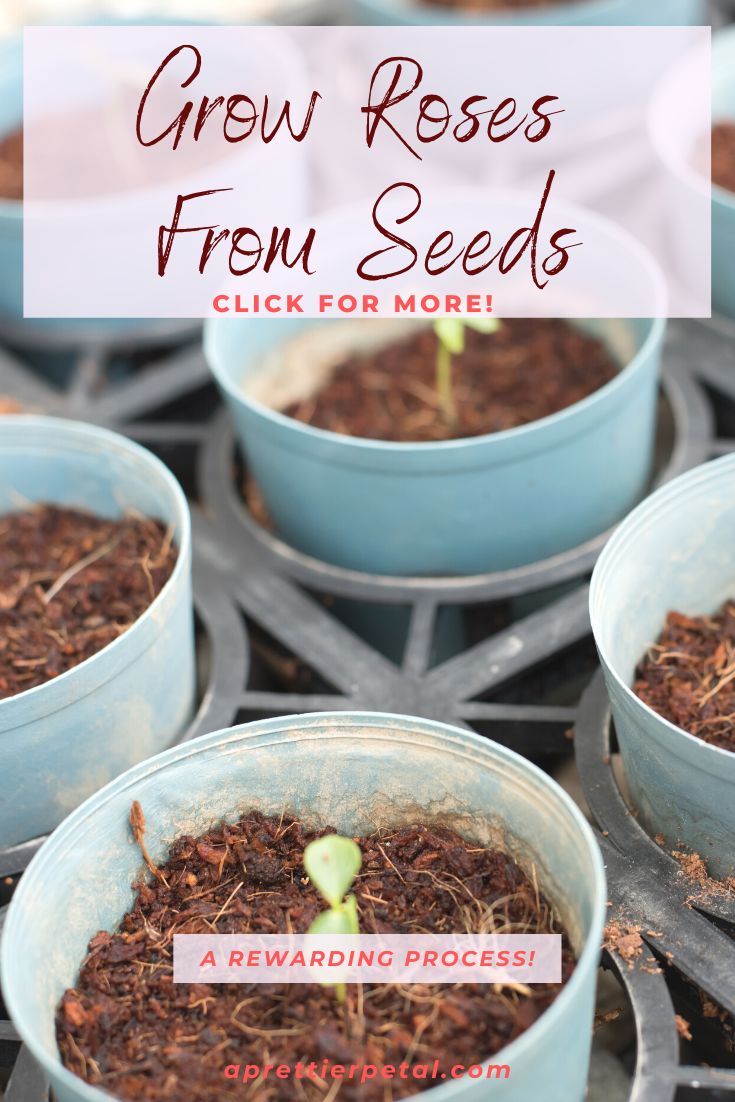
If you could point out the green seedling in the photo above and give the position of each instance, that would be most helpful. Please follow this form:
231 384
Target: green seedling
332 863
450 333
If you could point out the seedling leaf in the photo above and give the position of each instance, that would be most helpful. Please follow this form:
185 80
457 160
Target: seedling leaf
333 922
483 325
332 863
450 332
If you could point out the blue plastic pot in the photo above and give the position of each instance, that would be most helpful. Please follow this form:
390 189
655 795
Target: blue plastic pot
11 212
11 231
673 552
572 12
382 770
723 202
284 58
459 507
687 195
64 739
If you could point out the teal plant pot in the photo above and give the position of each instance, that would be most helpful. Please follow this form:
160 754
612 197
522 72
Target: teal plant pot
459 507
11 240
11 212
64 739
673 552
281 60
571 12
723 202
687 195
382 771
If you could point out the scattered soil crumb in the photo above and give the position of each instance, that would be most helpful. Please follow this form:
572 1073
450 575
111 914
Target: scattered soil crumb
626 941
692 867
682 1027
607 1017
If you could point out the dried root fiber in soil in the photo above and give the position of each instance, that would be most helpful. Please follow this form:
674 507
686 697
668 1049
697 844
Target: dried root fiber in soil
127 1028
688 675
70 583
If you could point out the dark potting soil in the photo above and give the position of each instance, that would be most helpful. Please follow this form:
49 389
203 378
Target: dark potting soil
11 166
688 676
526 370
129 1029
70 583
723 155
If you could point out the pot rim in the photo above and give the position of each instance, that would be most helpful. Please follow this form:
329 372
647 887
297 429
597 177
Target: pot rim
523 434
81 432
633 522
445 736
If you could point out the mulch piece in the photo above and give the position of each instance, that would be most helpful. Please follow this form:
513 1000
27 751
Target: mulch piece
526 370
11 166
70 583
129 1029
723 155
688 675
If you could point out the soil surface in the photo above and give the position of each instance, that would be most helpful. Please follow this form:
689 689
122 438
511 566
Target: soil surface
129 1029
688 676
723 155
526 370
11 166
70 583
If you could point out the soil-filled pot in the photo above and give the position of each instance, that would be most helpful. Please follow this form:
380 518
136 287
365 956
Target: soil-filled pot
683 151
723 201
276 60
65 738
11 210
674 552
461 506
565 13
357 773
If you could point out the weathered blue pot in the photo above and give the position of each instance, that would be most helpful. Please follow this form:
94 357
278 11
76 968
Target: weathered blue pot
11 212
11 230
577 12
687 194
673 552
64 739
459 507
118 330
381 770
723 202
